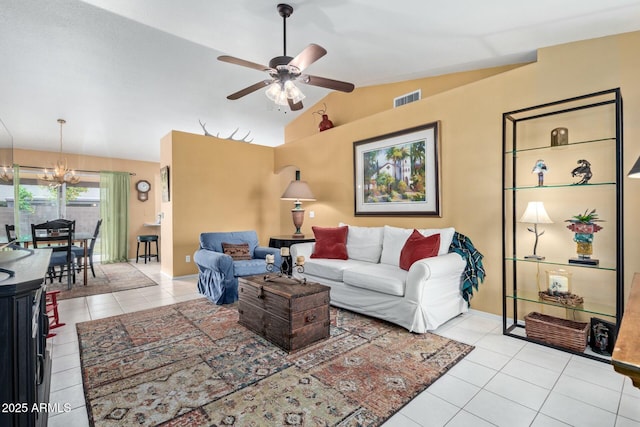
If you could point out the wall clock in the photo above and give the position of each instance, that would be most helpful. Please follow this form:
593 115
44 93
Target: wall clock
143 188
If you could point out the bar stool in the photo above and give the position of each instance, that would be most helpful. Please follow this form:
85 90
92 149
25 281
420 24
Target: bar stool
147 239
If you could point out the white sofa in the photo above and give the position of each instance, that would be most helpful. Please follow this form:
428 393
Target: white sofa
372 283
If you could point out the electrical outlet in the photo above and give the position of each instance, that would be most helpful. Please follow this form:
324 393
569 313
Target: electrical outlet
312 214
187 258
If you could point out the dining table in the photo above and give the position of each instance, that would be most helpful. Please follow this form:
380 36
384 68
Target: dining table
79 237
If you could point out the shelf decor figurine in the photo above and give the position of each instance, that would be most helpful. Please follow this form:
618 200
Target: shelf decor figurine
583 171
584 226
540 168
325 123
559 136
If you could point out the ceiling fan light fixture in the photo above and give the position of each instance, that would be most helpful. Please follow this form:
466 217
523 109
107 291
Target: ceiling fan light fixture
280 93
276 93
293 92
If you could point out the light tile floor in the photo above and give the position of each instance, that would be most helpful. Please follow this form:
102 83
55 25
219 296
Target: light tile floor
502 382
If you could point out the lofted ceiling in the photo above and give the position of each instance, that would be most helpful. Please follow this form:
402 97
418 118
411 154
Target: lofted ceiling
123 73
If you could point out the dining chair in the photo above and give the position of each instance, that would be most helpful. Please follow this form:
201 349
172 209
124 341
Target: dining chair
58 236
79 252
10 229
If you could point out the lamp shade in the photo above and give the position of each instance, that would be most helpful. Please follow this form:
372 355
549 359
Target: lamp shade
635 170
536 214
298 190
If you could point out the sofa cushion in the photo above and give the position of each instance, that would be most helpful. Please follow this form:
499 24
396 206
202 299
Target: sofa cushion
331 269
237 251
382 278
364 243
249 267
331 242
418 247
394 239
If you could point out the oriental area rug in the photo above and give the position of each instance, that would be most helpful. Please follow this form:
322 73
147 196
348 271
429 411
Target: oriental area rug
192 364
120 276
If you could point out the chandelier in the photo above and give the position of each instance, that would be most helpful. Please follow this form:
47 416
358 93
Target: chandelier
61 174
4 175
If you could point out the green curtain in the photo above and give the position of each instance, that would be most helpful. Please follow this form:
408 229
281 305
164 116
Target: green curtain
114 211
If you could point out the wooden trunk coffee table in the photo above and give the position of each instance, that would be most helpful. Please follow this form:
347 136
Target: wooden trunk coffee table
289 314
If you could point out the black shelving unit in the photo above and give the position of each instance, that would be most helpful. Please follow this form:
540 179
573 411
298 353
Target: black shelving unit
594 122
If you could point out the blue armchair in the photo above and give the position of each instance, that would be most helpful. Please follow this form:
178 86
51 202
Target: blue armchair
218 272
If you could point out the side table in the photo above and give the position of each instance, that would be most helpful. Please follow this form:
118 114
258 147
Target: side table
285 242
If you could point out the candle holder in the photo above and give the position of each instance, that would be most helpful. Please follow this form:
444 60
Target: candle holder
285 269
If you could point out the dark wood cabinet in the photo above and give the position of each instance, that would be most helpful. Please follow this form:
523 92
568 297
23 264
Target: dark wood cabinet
25 362
287 313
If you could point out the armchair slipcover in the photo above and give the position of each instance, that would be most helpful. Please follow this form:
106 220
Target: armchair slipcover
218 273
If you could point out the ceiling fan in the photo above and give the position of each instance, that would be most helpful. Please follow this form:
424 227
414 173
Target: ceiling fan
284 70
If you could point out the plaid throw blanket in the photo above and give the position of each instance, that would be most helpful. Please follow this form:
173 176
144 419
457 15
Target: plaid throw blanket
474 272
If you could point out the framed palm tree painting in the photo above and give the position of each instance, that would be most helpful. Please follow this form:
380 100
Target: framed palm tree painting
398 174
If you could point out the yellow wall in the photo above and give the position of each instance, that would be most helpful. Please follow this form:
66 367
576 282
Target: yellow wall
365 101
471 158
139 212
216 185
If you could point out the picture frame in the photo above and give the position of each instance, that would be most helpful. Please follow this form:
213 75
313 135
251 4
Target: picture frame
398 174
602 336
164 182
558 282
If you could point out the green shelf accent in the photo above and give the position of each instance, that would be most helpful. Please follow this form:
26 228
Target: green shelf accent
547 147
586 307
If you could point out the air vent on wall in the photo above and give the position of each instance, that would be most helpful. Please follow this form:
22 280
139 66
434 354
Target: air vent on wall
407 98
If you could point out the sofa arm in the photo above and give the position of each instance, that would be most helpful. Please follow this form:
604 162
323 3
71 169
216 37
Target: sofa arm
446 269
261 252
304 249
211 260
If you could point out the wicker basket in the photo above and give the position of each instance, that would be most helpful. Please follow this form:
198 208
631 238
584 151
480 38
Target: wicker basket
556 331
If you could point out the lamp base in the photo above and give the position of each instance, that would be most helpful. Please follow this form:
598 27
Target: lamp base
536 257
298 217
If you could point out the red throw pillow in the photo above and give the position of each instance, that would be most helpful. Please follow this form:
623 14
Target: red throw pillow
331 242
418 247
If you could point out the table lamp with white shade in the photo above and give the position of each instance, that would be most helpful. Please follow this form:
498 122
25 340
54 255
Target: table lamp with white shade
535 214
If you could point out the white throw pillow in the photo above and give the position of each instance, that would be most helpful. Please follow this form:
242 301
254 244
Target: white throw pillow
395 238
392 244
364 243
446 237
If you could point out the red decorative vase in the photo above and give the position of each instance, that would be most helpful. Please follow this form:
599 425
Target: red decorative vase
325 123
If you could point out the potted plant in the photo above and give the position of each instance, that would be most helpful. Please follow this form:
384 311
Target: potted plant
584 226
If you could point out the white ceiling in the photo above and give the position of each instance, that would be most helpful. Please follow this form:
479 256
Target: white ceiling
123 73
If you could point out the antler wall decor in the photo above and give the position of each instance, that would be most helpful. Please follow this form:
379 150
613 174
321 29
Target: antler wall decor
230 137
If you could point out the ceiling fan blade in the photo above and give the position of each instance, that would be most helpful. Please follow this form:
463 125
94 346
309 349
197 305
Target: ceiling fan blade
294 107
242 62
326 83
247 90
308 56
